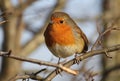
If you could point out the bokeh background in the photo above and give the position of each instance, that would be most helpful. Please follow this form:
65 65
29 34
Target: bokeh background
26 21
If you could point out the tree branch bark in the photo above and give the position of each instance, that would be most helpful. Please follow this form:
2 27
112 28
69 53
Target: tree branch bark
65 65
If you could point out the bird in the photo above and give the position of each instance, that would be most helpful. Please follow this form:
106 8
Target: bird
63 36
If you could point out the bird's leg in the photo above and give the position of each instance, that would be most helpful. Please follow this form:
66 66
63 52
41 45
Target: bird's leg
58 70
62 62
59 60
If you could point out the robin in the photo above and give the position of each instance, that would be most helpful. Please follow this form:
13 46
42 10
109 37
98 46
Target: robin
63 37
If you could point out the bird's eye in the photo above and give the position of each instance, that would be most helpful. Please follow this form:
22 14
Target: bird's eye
61 21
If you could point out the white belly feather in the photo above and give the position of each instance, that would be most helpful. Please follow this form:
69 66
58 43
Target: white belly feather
64 51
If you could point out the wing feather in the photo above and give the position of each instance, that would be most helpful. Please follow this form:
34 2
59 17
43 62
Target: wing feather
79 31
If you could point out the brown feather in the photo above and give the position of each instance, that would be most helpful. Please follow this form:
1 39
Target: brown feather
79 31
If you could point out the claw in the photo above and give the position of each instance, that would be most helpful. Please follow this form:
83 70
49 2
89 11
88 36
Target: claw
76 60
58 71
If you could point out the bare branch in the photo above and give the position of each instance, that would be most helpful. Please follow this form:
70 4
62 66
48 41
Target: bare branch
36 41
3 22
9 55
102 34
65 65
25 76
84 56
22 6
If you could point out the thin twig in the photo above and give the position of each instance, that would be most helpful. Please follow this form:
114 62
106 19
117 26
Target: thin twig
25 76
102 34
40 71
7 54
65 65
82 57
3 22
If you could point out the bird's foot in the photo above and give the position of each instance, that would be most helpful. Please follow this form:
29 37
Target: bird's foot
58 71
76 60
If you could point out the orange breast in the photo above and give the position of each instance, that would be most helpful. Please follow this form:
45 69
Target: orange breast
61 34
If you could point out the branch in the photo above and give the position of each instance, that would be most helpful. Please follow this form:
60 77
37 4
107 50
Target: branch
84 56
65 66
22 6
1 22
102 34
36 41
39 62
25 76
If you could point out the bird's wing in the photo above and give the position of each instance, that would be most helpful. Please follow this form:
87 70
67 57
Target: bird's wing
79 31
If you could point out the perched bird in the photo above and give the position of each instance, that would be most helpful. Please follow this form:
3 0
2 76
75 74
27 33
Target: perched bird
63 37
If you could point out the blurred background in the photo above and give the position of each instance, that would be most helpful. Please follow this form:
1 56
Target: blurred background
26 20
